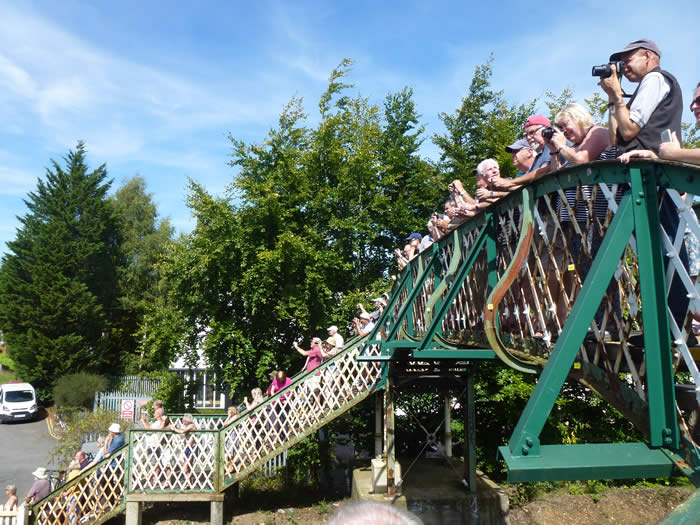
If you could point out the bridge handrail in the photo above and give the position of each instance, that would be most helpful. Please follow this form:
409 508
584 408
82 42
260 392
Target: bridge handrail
98 492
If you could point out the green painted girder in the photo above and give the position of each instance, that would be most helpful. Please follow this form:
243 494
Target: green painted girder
525 438
589 461
447 353
686 513
456 282
439 288
663 424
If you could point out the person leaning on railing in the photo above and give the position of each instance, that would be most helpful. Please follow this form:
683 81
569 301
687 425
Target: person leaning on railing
672 150
581 141
231 416
487 174
655 106
588 141
533 134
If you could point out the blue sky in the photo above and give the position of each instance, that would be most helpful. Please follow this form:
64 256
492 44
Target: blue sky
155 87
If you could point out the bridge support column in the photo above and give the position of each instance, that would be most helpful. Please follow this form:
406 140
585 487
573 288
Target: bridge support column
217 513
389 437
448 426
469 422
378 417
133 513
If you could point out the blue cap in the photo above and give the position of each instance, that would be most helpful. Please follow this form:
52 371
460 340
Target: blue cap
414 235
518 145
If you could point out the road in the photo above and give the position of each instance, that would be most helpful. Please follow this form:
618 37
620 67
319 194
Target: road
23 447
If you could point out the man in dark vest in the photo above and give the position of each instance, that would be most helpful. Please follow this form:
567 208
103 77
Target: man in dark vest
656 105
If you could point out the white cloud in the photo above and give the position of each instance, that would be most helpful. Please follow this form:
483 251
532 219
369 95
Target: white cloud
14 181
16 79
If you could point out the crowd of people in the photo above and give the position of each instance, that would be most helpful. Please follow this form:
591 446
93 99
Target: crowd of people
636 129
648 125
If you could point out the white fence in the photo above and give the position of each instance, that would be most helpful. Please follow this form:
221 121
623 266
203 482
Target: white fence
8 517
133 393
114 401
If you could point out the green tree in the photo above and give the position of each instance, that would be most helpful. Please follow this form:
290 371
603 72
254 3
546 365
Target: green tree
691 135
555 103
413 188
58 284
317 212
145 240
598 107
479 129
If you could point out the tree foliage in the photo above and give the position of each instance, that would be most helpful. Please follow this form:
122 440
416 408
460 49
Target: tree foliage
145 240
58 284
80 426
480 128
307 226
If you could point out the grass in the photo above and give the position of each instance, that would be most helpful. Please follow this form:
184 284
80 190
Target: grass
6 376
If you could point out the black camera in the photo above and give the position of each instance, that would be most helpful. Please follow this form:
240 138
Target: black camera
548 132
605 70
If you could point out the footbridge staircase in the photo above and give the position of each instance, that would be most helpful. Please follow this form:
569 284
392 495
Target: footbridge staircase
582 276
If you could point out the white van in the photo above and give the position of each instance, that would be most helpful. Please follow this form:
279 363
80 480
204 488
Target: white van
17 402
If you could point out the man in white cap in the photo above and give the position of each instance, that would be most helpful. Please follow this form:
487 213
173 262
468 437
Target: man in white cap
379 304
339 341
115 440
363 325
41 487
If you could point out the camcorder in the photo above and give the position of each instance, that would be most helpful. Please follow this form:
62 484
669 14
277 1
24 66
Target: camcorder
548 132
606 70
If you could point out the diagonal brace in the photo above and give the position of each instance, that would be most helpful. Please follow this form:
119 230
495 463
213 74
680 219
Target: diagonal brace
525 437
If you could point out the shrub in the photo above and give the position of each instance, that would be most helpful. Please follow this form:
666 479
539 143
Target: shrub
170 391
6 361
80 427
78 390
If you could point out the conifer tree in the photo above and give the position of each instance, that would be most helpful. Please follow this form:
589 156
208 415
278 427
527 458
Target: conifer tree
58 286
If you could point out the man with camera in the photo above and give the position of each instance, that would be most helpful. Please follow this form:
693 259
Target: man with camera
533 128
656 104
655 107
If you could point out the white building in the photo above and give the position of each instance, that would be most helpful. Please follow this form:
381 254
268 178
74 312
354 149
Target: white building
205 395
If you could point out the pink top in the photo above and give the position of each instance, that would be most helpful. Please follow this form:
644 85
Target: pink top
315 358
277 385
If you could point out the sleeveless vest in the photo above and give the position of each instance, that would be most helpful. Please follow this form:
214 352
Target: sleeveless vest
667 115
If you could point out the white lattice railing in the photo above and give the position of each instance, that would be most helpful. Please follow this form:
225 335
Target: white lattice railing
92 497
164 461
313 399
202 421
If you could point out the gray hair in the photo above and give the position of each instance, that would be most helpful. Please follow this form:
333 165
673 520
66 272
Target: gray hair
187 418
482 165
372 512
12 489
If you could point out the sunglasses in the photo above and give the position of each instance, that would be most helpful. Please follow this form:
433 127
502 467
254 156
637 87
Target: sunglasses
695 102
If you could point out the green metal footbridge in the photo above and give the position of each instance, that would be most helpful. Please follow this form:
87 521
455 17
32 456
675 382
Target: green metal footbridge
583 275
